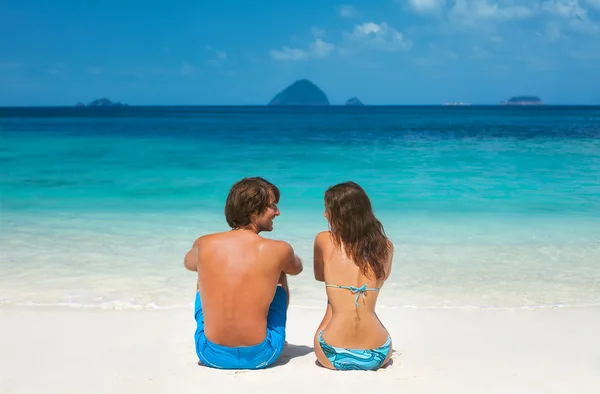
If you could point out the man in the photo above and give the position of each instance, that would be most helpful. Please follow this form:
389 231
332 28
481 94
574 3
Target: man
242 298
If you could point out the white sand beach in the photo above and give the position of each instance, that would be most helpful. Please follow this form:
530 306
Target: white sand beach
68 350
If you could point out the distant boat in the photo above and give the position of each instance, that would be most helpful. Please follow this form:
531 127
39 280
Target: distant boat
454 103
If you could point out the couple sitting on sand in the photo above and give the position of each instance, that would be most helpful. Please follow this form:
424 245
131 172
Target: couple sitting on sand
242 296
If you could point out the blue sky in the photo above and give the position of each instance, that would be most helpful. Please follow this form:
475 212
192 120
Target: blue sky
243 52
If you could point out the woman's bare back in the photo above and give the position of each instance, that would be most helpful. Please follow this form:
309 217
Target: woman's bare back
350 320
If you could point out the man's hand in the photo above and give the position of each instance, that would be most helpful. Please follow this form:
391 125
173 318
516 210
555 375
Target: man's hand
298 264
191 259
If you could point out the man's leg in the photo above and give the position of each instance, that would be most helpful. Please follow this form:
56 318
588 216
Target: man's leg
283 283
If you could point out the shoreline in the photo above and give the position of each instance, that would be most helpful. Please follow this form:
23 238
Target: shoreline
72 350
151 307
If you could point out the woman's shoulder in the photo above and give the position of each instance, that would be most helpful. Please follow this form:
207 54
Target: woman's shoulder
389 244
323 241
323 236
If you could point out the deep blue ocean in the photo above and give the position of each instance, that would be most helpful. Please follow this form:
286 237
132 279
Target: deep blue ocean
487 206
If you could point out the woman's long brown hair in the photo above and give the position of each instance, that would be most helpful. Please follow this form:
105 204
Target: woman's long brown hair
354 225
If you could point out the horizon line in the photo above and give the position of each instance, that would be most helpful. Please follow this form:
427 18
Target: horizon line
298 106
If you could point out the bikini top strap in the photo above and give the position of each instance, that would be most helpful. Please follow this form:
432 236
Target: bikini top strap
358 290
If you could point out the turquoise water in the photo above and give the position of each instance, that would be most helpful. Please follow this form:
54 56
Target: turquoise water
487 206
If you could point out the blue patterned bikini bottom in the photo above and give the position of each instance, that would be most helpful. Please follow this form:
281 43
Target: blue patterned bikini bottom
355 359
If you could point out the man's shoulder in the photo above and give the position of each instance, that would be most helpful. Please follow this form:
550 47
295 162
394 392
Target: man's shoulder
209 237
277 246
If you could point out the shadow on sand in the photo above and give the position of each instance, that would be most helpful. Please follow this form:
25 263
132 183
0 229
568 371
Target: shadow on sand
291 351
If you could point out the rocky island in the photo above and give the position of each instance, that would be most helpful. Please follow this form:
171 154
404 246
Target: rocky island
300 93
101 102
523 100
354 102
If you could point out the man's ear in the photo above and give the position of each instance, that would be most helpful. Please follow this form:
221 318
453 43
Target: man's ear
253 218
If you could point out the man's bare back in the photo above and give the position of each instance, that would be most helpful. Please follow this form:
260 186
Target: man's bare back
238 273
242 298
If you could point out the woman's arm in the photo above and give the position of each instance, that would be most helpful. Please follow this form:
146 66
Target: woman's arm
388 269
318 255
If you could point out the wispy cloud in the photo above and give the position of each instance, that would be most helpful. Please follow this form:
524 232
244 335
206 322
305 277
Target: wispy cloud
504 9
287 53
187 69
217 58
347 11
488 10
316 49
574 13
379 36
321 48
472 11
426 6
317 32
594 4
564 8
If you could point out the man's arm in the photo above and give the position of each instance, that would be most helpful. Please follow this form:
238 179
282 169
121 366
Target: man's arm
191 259
292 263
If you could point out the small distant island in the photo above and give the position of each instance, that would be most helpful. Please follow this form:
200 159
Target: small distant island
523 100
101 102
354 102
300 93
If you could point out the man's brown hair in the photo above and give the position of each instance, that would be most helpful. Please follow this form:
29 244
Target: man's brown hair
247 197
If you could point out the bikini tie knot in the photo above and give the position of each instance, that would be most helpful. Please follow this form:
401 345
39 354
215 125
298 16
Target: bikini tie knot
359 290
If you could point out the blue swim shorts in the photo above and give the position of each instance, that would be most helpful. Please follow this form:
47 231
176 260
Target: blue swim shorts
244 357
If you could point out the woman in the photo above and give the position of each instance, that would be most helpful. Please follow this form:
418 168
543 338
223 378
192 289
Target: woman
354 259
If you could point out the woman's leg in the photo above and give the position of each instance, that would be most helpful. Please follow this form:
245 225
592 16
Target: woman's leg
389 356
323 360
387 359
